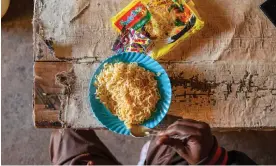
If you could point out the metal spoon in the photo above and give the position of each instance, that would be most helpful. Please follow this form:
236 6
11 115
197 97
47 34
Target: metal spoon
142 131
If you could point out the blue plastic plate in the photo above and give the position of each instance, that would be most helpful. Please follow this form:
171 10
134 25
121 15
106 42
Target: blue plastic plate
112 122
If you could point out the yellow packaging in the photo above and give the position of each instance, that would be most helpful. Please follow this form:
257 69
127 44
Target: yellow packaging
166 22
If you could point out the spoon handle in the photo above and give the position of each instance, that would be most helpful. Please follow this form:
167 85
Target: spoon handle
155 132
152 132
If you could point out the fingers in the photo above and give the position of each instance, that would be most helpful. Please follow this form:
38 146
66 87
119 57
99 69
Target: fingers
161 139
166 140
180 130
186 127
176 144
191 123
199 137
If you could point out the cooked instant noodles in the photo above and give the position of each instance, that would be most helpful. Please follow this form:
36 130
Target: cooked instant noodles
128 91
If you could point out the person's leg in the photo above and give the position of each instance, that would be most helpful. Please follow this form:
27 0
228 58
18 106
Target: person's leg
162 155
68 146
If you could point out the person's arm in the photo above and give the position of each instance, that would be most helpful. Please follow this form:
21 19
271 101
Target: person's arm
200 146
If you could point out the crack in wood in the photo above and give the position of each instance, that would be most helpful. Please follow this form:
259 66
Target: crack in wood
44 98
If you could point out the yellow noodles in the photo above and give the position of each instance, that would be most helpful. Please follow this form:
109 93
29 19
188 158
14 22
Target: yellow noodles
128 91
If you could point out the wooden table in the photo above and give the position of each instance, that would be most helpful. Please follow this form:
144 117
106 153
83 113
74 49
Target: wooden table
224 75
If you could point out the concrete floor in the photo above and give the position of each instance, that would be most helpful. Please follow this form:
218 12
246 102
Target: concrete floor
23 144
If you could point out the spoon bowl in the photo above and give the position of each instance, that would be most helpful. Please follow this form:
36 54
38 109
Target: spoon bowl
142 131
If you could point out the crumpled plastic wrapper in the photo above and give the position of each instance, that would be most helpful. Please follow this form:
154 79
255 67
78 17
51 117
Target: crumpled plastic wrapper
131 41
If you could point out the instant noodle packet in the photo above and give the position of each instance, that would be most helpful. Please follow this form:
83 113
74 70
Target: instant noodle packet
166 23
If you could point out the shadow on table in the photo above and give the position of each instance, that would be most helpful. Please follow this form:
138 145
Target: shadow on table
19 9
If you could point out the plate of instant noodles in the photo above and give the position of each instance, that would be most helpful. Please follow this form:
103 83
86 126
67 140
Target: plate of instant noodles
129 89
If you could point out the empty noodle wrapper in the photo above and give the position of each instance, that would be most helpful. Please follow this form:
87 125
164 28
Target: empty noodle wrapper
131 40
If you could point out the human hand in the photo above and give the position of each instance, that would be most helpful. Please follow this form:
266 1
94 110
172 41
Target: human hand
196 146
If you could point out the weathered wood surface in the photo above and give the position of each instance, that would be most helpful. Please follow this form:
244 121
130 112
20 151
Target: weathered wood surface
224 75
46 102
235 31
199 92
239 95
